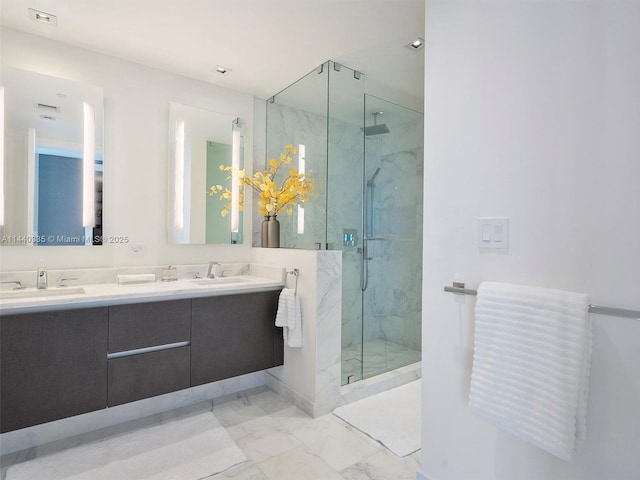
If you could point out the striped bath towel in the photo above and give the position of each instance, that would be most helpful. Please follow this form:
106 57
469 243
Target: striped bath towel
531 360
289 317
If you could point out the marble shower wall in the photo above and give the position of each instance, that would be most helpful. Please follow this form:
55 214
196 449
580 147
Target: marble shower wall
338 154
392 302
288 125
344 211
335 157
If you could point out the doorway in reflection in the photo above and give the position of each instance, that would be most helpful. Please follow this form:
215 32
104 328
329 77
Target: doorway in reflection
59 202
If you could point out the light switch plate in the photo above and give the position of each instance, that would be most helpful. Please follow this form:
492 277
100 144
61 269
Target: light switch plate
136 249
493 232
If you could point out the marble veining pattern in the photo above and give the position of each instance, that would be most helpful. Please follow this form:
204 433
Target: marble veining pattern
289 125
389 309
338 155
281 442
46 433
327 332
189 448
375 357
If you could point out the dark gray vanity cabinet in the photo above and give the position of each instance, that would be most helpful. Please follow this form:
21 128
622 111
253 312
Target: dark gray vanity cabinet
52 365
162 327
57 364
234 334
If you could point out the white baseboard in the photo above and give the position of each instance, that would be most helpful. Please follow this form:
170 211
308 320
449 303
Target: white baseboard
421 476
291 395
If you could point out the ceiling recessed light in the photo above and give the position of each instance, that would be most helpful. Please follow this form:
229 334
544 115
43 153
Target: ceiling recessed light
43 17
221 70
417 44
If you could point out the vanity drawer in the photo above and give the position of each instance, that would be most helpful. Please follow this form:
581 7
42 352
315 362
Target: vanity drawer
143 325
146 375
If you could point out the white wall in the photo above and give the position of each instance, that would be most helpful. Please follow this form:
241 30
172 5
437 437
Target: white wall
136 153
532 111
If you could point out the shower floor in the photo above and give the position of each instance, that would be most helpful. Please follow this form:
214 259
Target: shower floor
379 356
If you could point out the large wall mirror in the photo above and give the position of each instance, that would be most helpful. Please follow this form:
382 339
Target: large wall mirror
199 142
52 161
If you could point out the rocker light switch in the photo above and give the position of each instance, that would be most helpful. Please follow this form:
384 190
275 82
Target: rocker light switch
493 232
497 233
486 234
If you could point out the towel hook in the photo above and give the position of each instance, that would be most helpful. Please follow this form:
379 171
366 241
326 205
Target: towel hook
295 272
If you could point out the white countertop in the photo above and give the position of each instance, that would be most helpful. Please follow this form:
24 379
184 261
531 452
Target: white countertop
105 294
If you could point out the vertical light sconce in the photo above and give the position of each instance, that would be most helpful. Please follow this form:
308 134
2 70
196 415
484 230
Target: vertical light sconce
235 181
301 169
178 188
88 166
32 178
1 156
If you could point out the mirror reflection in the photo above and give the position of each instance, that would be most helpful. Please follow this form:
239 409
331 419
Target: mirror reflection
199 142
53 161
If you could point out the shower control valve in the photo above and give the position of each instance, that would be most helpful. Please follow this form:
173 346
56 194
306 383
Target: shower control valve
350 236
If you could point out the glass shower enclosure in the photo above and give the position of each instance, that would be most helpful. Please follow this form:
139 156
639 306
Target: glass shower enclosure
365 155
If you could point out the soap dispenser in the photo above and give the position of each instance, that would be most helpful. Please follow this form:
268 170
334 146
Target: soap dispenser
169 274
41 280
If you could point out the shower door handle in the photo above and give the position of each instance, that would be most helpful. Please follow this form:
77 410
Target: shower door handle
364 265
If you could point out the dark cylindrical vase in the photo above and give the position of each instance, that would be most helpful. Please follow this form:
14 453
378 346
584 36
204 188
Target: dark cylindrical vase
273 232
264 240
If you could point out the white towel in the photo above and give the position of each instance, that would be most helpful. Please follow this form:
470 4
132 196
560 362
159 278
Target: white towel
136 278
531 361
289 317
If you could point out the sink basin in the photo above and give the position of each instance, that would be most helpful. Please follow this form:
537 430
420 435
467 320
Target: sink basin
219 280
34 293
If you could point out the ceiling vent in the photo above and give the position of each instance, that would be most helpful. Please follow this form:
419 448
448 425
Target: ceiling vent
47 108
43 17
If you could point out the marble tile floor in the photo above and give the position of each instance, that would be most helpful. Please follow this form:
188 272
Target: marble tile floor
378 356
280 441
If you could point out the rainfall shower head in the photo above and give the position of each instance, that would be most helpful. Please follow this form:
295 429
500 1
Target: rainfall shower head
375 129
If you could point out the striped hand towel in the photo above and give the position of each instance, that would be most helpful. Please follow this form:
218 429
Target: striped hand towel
531 360
289 317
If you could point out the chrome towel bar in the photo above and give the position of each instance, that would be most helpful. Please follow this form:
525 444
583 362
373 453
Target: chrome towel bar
459 288
295 272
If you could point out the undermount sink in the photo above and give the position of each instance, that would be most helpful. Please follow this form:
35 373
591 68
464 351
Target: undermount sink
219 280
34 293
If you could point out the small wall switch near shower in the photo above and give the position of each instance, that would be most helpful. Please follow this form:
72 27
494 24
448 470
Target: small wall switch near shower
493 232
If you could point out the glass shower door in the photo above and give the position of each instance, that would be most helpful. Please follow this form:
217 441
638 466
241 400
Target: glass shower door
365 155
344 205
392 257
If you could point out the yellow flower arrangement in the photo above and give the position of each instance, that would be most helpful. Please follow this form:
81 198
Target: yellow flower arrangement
272 198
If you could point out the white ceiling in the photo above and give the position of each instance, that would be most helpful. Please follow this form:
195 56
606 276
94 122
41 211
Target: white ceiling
267 44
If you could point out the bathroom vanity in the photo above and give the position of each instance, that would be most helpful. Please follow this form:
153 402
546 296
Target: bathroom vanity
62 356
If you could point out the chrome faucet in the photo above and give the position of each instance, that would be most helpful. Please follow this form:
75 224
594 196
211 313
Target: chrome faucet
17 283
62 281
214 270
41 280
